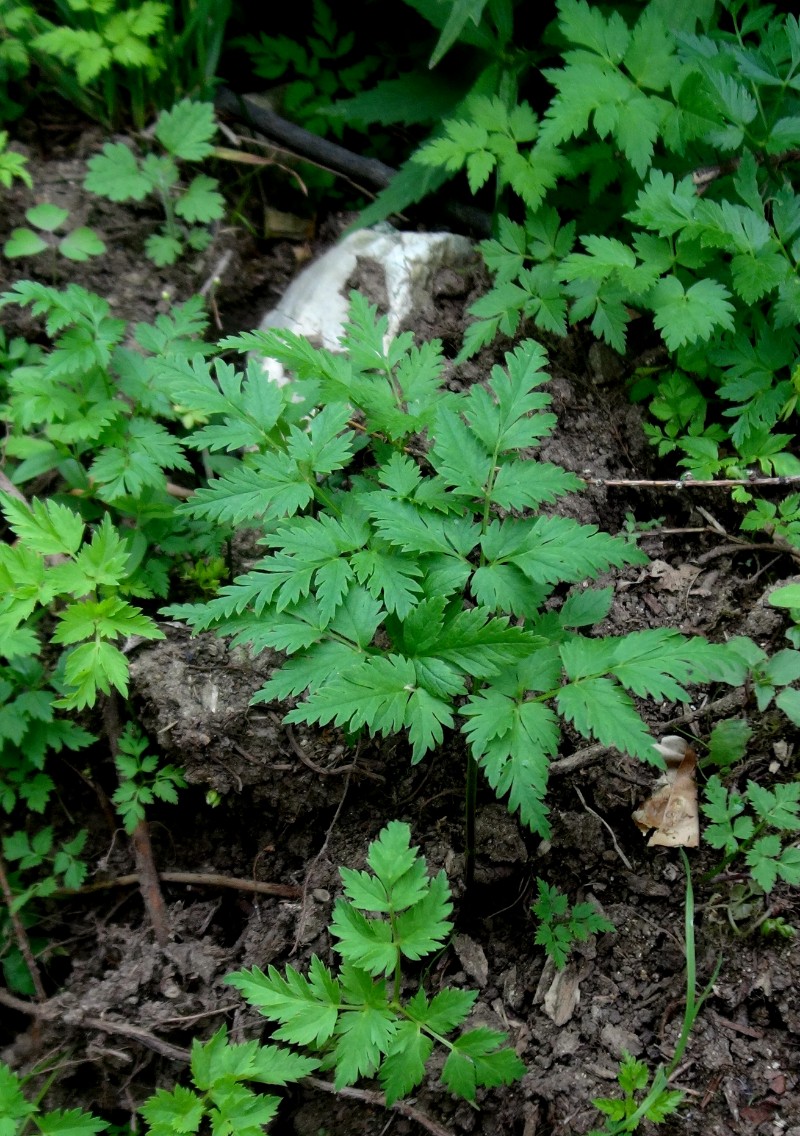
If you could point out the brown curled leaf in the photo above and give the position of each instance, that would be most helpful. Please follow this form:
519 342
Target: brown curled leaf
671 811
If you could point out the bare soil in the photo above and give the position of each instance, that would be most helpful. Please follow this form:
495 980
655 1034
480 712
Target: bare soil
295 804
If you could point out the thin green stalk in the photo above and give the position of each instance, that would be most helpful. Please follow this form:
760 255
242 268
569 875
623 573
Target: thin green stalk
741 850
471 786
166 203
398 973
470 807
693 1006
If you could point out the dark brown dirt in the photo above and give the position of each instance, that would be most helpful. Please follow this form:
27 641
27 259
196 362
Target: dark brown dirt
293 805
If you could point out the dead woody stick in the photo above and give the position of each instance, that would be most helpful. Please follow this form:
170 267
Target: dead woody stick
146 870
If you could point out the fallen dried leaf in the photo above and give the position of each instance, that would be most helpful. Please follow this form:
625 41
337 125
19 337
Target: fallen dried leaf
672 809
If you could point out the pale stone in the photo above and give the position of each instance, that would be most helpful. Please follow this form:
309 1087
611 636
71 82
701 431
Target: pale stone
315 303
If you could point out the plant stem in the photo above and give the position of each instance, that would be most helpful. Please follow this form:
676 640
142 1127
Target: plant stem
146 870
693 1006
149 883
20 934
470 803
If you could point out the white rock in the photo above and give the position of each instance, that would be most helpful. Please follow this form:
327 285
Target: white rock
315 303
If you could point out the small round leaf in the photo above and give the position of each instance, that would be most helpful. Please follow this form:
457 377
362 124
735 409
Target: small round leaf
47 217
23 242
81 244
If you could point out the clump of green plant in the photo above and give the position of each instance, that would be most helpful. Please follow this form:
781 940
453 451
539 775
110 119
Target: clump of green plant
789 597
51 565
18 1112
112 61
360 1023
81 243
494 61
55 867
772 676
93 53
55 580
92 416
561 926
31 733
185 133
638 1103
409 559
205 576
311 75
91 410
143 778
12 164
15 352
30 729
710 256
759 826
223 1074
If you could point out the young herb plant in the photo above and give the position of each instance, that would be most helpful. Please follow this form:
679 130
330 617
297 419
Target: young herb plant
18 1112
112 61
309 76
789 597
142 778
31 734
12 164
627 1113
223 1074
78 244
222 1097
360 1023
409 558
561 926
760 826
51 566
185 133
91 410
500 58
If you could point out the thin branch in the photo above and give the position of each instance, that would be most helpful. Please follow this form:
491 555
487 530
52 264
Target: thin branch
689 482
298 750
54 1009
704 175
301 919
143 1036
589 754
193 879
303 143
146 870
323 772
149 882
607 826
8 486
20 934
378 1101
217 272
319 151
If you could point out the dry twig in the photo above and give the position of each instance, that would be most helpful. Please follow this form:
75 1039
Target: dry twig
193 879
589 754
20 934
301 919
377 1100
146 870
